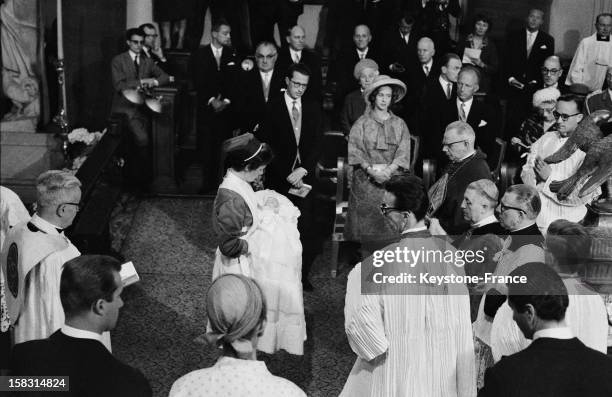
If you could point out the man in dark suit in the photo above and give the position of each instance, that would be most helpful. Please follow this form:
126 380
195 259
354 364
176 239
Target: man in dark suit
151 47
484 118
90 291
297 52
264 14
527 50
293 129
131 70
556 363
399 48
215 68
437 96
341 71
260 85
436 23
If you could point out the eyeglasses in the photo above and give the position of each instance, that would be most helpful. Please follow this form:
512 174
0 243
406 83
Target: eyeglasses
151 35
564 116
260 56
452 143
550 71
299 85
78 205
504 208
386 209
137 41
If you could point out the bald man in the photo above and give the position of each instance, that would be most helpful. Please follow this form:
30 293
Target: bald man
484 119
297 52
341 70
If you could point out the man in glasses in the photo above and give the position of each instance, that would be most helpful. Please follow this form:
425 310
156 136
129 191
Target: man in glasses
386 327
151 47
34 254
593 56
131 70
539 174
259 86
601 99
293 128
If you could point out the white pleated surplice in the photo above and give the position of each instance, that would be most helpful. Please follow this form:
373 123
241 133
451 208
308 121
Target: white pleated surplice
410 344
586 316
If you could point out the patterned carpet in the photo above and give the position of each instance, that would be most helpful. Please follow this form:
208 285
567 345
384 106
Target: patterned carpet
171 244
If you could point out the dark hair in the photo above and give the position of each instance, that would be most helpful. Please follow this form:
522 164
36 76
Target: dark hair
603 14
447 58
407 16
410 194
395 94
85 279
483 18
578 100
569 243
216 26
134 31
543 289
146 26
236 158
297 67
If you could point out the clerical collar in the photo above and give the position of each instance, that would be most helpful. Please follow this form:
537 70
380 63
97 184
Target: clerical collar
555 333
415 229
45 226
521 230
80 333
486 221
603 38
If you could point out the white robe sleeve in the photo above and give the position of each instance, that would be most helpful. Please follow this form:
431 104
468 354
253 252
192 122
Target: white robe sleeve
575 73
466 360
363 315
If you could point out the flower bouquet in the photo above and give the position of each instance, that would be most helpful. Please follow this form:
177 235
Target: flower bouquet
80 144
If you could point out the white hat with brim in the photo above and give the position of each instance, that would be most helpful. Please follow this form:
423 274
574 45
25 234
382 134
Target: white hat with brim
383 80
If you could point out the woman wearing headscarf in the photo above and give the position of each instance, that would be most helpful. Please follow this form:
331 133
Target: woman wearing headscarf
258 237
236 311
379 146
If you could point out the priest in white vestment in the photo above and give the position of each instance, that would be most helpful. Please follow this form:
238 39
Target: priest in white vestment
33 257
593 56
411 339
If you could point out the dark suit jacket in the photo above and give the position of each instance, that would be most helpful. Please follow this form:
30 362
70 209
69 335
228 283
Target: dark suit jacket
431 129
277 131
310 59
449 213
342 69
551 368
124 77
92 369
394 49
486 122
518 65
163 65
210 80
251 104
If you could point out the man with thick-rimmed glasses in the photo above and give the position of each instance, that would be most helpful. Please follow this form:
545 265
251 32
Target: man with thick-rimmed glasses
34 254
539 174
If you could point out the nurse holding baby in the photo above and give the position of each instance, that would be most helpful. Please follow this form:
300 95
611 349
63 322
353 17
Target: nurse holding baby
258 237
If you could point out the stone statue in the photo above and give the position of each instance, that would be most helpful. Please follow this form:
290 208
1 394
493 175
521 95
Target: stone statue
596 167
19 40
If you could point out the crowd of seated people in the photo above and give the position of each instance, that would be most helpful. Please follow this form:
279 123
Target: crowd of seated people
491 336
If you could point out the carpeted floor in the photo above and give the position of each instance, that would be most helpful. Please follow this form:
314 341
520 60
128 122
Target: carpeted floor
171 244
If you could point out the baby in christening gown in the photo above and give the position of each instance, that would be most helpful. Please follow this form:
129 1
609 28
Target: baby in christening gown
276 264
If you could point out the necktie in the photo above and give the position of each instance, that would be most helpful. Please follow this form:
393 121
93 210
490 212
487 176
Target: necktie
426 70
295 113
530 40
266 85
136 65
462 115
406 38
449 90
296 58
218 58
361 55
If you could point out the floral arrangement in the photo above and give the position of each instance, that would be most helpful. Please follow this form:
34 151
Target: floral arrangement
80 144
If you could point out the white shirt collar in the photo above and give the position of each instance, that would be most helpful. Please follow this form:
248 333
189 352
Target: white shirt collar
485 221
364 52
132 54
444 83
80 333
415 229
294 53
428 64
145 49
468 105
466 156
44 225
289 102
555 333
534 33
216 50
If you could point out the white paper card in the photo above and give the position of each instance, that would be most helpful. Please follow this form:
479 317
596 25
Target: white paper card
128 274
471 53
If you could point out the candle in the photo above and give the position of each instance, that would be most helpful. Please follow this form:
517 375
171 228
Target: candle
60 38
